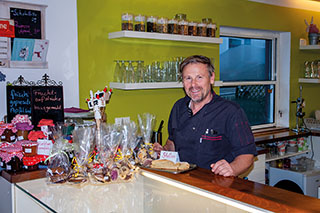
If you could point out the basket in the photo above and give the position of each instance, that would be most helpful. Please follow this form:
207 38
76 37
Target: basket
312 123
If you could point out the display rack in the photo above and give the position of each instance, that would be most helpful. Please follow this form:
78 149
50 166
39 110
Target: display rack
286 155
163 36
152 85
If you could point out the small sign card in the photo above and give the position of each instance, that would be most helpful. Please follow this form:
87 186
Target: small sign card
44 147
173 156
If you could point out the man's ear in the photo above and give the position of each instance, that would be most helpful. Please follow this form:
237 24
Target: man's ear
212 78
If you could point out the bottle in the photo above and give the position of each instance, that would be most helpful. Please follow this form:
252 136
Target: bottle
117 74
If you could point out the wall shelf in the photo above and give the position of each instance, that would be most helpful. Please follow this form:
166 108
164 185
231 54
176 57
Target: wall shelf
287 155
162 36
152 85
309 47
309 80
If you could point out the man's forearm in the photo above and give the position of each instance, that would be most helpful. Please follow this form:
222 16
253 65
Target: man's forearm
241 163
169 146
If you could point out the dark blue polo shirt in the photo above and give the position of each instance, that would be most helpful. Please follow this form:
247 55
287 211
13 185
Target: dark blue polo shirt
220 130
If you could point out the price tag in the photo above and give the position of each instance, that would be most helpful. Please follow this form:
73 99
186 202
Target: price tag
173 156
44 146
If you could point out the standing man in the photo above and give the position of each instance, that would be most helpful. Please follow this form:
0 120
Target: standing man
206 129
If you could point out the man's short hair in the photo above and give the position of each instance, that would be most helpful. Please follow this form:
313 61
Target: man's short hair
197 59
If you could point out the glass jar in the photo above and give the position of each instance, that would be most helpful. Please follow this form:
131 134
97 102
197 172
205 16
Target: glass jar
127 21
139 23
192 28
12 157
162 25
29 148
211 27
183 27
8 135
173 26
22 135
202 29
152 24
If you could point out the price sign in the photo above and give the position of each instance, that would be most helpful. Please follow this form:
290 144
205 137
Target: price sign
44 147
173 156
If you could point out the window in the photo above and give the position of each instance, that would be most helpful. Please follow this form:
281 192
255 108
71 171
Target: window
249 71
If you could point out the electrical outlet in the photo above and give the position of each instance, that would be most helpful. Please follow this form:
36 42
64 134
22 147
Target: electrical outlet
121 120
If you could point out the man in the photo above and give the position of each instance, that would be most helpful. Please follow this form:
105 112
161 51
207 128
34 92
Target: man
206 129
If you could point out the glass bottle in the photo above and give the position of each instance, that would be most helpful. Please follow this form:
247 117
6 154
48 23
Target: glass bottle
123 71
192 28
307 70
130 73
162 25
117 72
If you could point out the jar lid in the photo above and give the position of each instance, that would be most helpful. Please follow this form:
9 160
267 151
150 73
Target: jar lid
29 143
192 23
173 21
139 18
202 24
207 20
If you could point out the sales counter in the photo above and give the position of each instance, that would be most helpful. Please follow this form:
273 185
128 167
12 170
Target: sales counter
153 191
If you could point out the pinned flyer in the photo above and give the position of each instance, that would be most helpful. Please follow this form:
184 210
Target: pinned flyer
172 156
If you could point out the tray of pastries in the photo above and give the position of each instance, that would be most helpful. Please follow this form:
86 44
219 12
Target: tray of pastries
171 167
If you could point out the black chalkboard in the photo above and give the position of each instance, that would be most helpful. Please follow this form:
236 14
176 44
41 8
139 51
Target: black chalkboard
27 23
47 103
19 101
37 101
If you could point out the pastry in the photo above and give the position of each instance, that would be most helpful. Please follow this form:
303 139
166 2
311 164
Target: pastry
167 164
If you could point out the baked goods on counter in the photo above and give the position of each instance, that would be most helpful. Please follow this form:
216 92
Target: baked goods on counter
167 164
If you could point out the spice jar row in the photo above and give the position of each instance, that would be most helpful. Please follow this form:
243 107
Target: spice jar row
177 25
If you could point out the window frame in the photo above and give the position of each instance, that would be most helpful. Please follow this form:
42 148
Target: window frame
280 70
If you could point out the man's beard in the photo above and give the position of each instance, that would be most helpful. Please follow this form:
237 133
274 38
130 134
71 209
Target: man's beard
202 95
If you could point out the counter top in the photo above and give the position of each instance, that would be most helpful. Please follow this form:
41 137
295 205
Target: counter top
263 196
154 191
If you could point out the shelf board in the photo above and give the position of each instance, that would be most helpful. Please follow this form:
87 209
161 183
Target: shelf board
152 85
309 80
309 47
162 36
277 157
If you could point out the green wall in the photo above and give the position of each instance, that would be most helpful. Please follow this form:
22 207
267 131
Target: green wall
97 53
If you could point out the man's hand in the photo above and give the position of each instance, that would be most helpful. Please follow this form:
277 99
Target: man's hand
222 167
240 164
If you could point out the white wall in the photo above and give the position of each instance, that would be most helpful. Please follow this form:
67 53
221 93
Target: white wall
61 31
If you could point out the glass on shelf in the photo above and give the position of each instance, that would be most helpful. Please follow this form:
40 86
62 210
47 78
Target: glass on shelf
117 72
307 69
129 73
123 70
127 21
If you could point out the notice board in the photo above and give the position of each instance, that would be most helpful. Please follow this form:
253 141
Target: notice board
36 101
27 22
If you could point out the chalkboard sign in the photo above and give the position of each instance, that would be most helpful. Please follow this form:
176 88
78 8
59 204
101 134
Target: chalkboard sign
47 103
27 23
37 101
19 101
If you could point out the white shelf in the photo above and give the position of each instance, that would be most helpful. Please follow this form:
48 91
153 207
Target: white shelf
309 47
162 36
153 85
309 80
277 157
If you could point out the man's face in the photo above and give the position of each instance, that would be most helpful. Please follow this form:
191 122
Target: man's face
197 82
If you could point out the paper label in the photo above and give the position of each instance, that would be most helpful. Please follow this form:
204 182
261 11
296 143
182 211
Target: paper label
8 167
27 150
44 146
173 156
20 138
